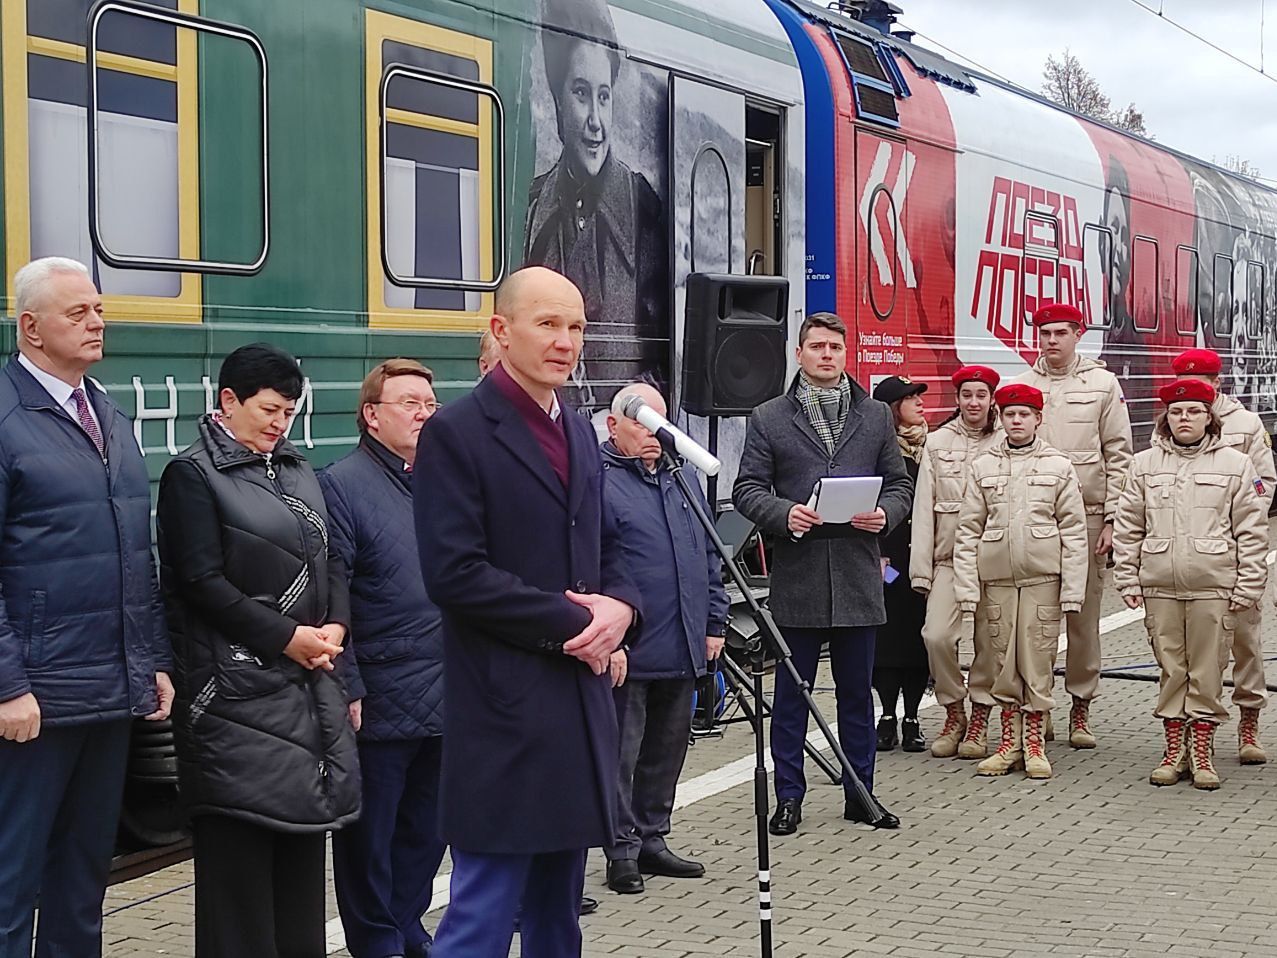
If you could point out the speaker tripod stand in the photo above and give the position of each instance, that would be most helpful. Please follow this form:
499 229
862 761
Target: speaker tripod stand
757 654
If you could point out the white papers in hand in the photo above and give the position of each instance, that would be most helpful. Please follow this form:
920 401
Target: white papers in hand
838 498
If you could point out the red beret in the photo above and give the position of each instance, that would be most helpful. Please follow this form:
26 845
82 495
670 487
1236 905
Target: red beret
1198 362
976 374
1019 394
1059 313
1187 390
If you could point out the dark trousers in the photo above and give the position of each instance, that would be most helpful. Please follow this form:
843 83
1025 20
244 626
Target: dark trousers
258 892
655 718
384 865
851 656
891 683
59 808
486 894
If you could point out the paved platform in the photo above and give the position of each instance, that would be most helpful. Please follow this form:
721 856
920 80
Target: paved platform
1095 863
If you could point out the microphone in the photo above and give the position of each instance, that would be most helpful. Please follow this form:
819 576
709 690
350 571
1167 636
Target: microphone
633 407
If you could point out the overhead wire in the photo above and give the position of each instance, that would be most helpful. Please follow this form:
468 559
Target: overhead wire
1214 46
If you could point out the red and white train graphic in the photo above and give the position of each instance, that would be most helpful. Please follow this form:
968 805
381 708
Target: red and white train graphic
956 204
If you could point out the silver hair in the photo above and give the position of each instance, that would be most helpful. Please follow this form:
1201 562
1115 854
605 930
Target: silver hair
31 282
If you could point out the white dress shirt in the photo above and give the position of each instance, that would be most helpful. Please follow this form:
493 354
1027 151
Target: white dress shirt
59 390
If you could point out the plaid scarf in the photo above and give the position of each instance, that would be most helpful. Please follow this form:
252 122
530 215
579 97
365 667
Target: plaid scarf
826 409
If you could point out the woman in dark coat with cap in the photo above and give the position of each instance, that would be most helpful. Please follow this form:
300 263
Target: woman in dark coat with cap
900 659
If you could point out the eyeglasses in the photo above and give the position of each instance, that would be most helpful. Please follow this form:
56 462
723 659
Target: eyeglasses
414 406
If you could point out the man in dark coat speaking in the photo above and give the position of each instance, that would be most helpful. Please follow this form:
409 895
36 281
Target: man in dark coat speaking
522 558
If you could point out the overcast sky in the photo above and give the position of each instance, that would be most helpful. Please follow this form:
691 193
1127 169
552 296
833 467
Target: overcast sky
1194 98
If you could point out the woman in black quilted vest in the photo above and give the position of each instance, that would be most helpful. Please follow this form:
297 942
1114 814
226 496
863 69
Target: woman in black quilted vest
257 610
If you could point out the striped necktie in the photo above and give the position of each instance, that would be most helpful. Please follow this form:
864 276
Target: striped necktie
87 422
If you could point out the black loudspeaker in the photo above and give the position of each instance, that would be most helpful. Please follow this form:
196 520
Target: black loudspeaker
734 342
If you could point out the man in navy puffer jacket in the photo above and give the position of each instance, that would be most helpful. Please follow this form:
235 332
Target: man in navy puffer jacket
83 648
384 865
680 577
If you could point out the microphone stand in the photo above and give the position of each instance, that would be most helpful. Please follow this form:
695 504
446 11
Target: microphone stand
756 652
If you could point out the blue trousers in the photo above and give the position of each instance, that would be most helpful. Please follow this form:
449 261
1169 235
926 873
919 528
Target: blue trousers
384 865
487 891
60 801
851 656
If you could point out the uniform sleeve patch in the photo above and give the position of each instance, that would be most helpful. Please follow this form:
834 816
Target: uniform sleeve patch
1259 486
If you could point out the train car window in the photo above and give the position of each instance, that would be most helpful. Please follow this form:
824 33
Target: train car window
1222 294
1144 284
146 146
1254 304
873 79
135 144
1097 260
882 288
436 195
1187 263
1039 262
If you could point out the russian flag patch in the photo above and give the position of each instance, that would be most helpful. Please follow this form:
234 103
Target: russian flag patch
1259 485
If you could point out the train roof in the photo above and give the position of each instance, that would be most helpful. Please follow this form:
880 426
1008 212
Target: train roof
943 70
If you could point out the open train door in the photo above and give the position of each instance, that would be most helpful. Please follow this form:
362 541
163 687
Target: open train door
707 229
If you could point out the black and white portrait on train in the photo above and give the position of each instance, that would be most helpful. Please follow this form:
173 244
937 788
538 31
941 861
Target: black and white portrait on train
595 208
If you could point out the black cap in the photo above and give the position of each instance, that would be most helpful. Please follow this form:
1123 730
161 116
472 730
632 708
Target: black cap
894 388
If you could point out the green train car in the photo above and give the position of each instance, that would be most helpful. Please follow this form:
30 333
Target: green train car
351 179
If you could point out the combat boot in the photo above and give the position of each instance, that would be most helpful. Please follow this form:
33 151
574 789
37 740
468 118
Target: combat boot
1080 724
955 726
1050 728
1201 748
1035 763
1249 750
1009 754
975 744
1174 764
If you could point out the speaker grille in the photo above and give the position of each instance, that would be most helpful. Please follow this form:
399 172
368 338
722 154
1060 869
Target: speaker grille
745 368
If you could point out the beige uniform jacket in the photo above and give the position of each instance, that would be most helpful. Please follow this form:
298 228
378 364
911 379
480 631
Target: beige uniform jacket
1085 417
1245 432
938 494
1191 525
1022 523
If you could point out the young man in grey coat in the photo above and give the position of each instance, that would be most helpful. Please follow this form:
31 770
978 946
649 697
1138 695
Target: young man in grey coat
826 584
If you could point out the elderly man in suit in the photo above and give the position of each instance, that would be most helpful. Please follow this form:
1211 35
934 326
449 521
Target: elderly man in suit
826 582
83 648
521 555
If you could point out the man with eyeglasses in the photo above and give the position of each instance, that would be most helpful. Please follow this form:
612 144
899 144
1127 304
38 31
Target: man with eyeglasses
384 865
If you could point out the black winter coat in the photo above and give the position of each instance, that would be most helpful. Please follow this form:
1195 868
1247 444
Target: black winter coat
899 642
244 559
394 653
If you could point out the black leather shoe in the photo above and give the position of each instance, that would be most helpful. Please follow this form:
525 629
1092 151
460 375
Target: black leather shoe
588 906
669 865
853 811
623 877
911 739
887 733
789 812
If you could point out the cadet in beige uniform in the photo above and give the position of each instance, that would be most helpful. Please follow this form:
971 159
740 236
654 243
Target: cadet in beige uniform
1190 542
1019 563
942 483
1085 417
1245 432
